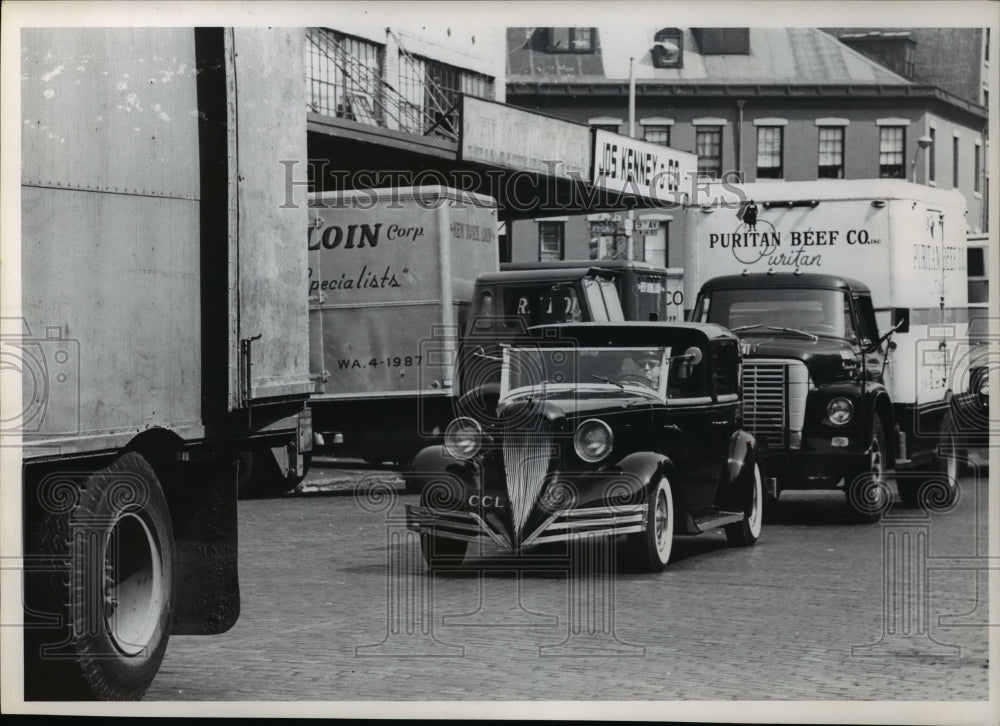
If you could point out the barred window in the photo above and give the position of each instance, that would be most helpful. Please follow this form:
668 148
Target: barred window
345 76
831 152
891 146
769 152
708 147
551 241
430 91
656 134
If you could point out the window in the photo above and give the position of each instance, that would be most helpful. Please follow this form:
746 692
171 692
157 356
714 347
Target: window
571 40
723 41
769 152
613 128
831 152
725 367
977 170
708 147
668 48
891 146
551 241
656 134
345 76
978 284
931 153
429 93
954 162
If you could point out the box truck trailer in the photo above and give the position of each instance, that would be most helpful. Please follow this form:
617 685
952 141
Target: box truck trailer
390 280
161 335
850 300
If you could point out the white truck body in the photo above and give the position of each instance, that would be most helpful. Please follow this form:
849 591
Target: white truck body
391 277
905 241
391 273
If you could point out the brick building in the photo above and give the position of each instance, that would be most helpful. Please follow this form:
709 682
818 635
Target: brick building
792 104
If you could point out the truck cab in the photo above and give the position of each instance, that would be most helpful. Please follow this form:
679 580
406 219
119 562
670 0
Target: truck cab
813 380
647 292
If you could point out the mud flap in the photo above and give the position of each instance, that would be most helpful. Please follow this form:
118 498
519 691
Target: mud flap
206 580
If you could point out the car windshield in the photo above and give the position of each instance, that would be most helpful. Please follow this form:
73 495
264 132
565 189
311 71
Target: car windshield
789 311
526 369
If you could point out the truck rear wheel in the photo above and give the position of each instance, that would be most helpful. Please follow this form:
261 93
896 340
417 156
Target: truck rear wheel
867 490
935 489
109 584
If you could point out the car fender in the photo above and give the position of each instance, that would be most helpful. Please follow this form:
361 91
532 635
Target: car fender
433 465
738 470
643 468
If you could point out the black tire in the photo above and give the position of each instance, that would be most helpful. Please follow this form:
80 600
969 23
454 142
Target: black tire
260 476
867 490
747 532
935 488
112 547
442 551
649 550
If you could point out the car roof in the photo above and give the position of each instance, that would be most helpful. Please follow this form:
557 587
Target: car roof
561 264
547 274
786 280
633 332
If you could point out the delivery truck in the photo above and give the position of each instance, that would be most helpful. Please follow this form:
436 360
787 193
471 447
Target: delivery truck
850 300
390 280
647 292
161 335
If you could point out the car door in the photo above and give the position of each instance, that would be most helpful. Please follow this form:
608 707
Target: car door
697 429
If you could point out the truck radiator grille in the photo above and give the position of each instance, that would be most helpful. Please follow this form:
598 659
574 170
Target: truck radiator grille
526 453
764 404
774 401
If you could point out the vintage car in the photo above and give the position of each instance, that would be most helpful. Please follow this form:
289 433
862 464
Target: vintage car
599 429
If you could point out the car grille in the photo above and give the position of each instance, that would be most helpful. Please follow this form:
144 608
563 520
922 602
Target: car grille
527 449
774 394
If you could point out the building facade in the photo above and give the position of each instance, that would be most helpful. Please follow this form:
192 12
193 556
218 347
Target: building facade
791 104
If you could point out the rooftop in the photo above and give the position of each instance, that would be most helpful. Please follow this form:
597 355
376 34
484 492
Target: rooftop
777 56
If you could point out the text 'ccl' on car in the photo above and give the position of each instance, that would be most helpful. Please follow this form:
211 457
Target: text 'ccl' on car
598 429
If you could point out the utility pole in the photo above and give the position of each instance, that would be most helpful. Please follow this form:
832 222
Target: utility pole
630 217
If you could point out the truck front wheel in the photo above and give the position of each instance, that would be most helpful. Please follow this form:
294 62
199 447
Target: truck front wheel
867 490
108 543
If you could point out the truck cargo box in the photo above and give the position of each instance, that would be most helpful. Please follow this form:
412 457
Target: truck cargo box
391 274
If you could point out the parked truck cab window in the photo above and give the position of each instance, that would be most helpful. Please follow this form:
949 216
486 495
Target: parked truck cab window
814 311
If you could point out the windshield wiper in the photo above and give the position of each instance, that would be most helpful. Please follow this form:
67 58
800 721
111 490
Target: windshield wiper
608 380
793 330
746 327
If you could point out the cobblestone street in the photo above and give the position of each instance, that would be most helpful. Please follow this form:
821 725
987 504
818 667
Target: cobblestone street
337 605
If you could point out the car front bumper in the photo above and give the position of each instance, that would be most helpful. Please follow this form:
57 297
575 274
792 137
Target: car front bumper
472 526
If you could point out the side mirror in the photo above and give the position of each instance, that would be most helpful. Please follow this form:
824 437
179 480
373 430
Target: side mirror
693 355
901 320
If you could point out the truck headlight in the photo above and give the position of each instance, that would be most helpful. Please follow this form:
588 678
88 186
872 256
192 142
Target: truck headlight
840 411
592 440
463 438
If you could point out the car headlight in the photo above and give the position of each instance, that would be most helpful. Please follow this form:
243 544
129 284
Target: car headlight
463 438
840 411
593 440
